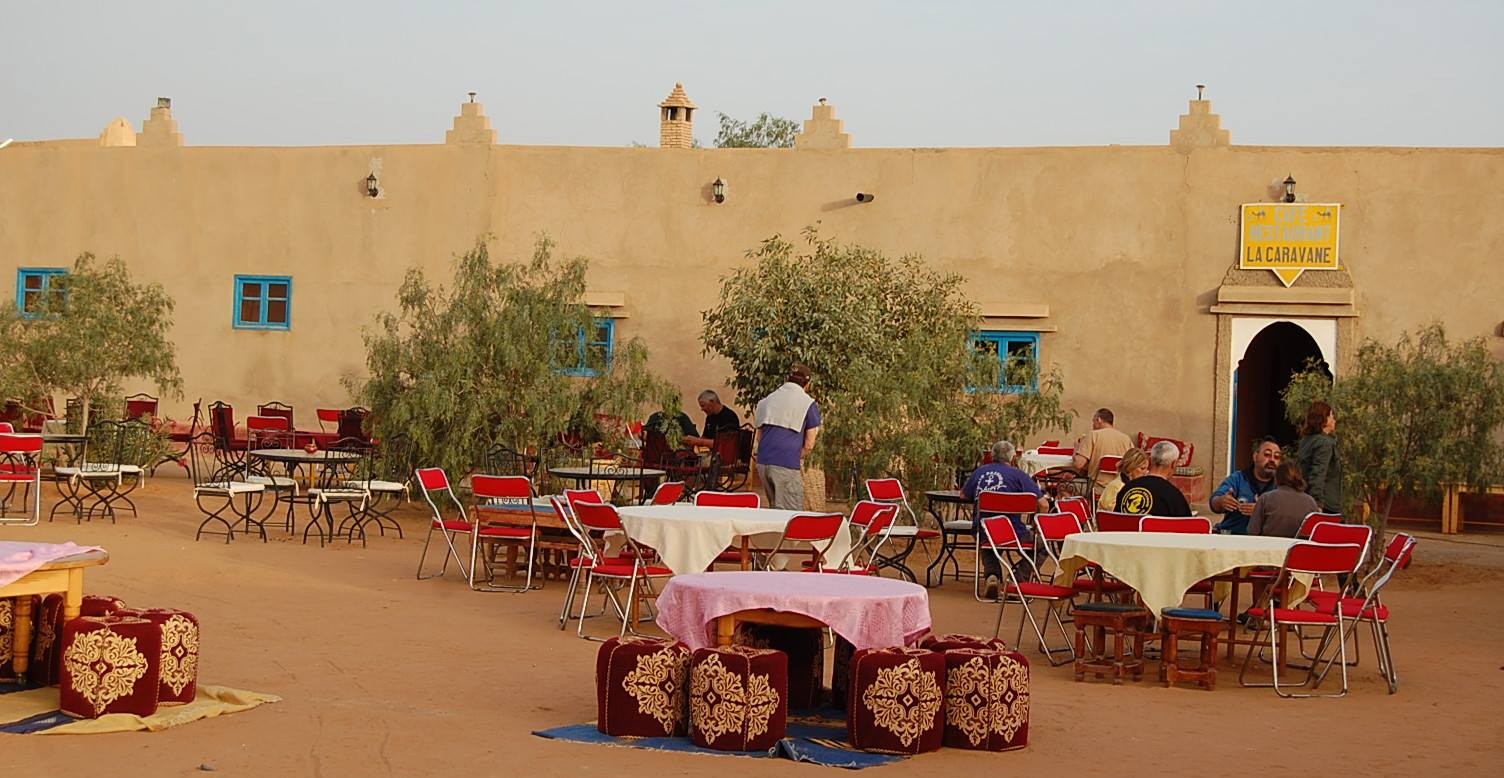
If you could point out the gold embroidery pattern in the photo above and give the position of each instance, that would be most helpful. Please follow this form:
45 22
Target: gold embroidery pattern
657 683
720 704
7 625
105 667
903 700
981 700
46 622
179 653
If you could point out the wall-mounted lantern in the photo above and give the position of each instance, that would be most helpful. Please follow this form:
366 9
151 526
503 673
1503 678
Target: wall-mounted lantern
1290 188
718 190
371 186
865 197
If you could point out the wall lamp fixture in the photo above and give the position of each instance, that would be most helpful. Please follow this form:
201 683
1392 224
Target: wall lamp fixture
1290 188
718 190
371 186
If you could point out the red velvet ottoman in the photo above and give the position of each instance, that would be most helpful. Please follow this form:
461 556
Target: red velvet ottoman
640 687
178 665
943 643
805 647
738 698
7 635
110 665
896 700
47 625
986 699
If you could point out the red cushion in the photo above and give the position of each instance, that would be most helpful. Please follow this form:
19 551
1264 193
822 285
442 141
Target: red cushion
1351 605
624 570
1202 587
927 534
1322 599
518 533
1293 616
1037 589
1108 585
18 477
454 525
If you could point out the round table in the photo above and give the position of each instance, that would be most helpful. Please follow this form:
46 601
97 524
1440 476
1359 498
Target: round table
949 508
1163 566
298 456
1032 461
688 538
582 476
867 611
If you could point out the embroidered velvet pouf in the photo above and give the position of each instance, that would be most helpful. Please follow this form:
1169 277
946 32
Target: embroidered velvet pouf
178 664
896 701
110 665
640 687
7 635
986 699
47 624
943 643
805 647
738 698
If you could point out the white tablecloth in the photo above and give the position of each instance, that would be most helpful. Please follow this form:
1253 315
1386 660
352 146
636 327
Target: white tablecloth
1032 461
689 537
1162 566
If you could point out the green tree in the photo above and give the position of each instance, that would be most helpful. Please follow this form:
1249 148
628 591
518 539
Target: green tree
98 329
1411 418
500 356
890 344
764 132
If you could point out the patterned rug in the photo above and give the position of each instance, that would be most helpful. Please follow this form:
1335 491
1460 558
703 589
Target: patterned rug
818 739
35 711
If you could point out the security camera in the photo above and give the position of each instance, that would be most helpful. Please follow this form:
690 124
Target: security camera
865 197
6 142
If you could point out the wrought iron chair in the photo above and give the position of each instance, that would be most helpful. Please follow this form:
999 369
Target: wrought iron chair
229 451
139 405
278 409
338 482
104 471
271 432
386 475
222 495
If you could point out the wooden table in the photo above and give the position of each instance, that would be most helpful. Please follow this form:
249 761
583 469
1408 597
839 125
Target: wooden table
60 575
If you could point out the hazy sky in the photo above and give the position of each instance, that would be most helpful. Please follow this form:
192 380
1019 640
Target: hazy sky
916 73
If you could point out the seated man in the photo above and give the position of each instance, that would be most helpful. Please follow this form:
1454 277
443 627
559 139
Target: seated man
1001 476
1238 492
1153 494
1104 440
718 419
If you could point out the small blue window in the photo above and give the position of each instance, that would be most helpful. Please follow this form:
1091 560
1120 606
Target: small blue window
593 346
263 302
1018 357
40 289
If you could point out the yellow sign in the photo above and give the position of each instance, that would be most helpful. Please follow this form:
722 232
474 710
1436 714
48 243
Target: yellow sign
1289 238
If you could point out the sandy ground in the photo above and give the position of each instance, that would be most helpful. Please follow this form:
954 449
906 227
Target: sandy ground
385 675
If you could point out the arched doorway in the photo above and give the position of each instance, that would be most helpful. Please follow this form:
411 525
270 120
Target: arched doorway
1277 352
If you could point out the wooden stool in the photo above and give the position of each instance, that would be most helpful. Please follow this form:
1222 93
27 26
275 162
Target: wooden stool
1121 620
1191 624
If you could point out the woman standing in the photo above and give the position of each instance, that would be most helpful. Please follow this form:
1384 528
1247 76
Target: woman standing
1317 454
1281 512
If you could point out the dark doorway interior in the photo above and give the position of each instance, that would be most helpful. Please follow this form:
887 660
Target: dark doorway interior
1278 352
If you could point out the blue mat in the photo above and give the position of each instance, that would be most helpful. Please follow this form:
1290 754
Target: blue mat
817 740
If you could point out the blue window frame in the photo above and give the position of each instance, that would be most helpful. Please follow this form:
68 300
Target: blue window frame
39 288
263 302
1018 349
593 346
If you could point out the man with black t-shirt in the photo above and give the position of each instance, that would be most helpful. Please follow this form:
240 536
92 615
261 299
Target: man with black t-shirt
1153 494
718 419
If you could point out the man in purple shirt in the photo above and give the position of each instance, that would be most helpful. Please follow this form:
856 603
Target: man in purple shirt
788 421
1001 476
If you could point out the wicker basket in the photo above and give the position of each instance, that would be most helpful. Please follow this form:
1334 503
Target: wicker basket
814 488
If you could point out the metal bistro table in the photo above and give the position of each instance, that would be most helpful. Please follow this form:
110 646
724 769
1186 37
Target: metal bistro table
294 458
583 476
947 506
73 445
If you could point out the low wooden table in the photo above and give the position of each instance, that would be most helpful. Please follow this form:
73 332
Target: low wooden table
60 575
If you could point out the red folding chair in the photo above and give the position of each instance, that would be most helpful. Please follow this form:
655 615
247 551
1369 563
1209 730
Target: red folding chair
668 493
872 520
728 499
1308 559
614 575
816 530
510 492
430 481
1370 609
1112 521
1000 537
1185 525
20 467
1077 506
989 503
1308 524
890 490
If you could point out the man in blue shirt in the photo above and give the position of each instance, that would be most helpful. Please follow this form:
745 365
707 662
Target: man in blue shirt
788 421
1236 495
1001 476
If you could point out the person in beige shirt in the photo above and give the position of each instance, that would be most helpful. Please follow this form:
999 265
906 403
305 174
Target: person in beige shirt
1104 440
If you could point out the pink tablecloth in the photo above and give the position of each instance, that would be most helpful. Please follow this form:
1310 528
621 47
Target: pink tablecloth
20 559
868 611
